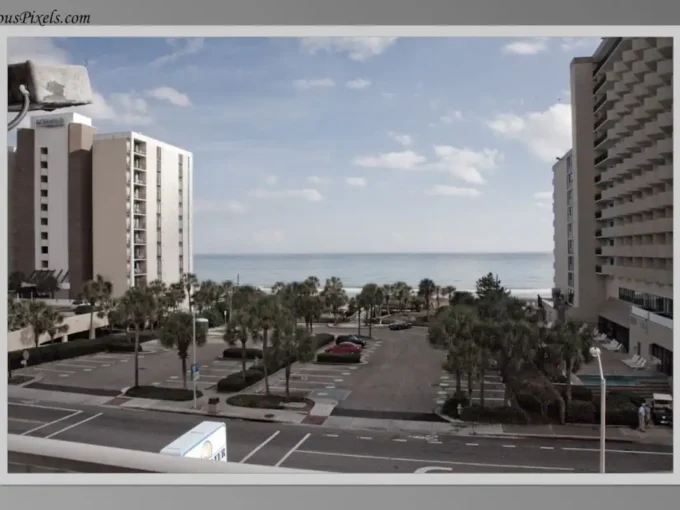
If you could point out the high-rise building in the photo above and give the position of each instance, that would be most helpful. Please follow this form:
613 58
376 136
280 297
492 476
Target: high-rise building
614 196
50 207
141 196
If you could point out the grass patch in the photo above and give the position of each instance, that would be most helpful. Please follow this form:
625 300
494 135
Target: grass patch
160 393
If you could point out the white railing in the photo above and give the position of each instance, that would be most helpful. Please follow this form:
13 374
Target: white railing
650 316
68 455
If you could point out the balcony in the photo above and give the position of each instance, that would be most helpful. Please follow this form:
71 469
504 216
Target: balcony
652 55
599 83
640 68
138 225
654 251
658 276
638 228
139 211
139 149
598 269
664 70
140 239
665 120
598 232
598 251
665 96
139 194
653 80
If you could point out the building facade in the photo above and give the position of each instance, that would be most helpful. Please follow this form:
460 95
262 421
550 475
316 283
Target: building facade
51 201
142 199
621 190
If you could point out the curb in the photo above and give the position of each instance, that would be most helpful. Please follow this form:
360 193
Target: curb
555 437
204 413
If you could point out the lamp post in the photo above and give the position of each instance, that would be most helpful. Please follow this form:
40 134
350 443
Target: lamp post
597 354
194 367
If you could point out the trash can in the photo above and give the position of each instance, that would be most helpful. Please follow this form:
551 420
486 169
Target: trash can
212 405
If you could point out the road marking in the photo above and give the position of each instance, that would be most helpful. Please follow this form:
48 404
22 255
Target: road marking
87 370
52 370
74 425
64 375
433 469
155 384
24 420
444 385
439 401
330 387
292 450
471 444
174 377
75 366
331 435
547 447
346 373
445 462
634 452
52 422
40 406
508 446
337 380
365 438
292 388
106 365
259 447
399 440
124 360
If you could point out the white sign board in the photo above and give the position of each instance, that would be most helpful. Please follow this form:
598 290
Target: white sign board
50 122
207 441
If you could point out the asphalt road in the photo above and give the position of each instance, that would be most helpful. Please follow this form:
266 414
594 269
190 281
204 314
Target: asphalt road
322 448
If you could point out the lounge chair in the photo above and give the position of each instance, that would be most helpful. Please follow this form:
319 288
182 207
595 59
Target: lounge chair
632 361
641 364
610 346
604 339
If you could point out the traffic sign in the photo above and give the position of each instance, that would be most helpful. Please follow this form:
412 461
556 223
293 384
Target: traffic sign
195 371
26 354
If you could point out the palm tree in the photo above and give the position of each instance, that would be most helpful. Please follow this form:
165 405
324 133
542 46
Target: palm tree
175 295
387 292
571 344
238 330
15 281
312 308
177 332
426 289
189 283
37 316
369 297
290 344
136 308
95 292
16 317
449 291
267 313
55 324
334 295
313 283
49 285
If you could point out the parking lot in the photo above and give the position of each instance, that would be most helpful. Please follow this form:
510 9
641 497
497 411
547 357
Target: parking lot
111 372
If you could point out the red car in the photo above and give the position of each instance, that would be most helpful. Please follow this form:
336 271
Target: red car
344 348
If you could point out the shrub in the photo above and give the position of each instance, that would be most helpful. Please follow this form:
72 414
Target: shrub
580 411
215 318
236 382
237 353
323 339
505 415
160 393
450 407
344 358
582 393
617 399
122 346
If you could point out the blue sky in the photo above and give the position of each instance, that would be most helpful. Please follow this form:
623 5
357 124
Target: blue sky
317 145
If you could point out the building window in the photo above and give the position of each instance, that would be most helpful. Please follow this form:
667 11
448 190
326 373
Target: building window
45 264
650 302
158 153
43 221
569 166
43 178
570 247
43 164
43 207
43 192
44 250
570 263
43 236
43 150
570 229
570 279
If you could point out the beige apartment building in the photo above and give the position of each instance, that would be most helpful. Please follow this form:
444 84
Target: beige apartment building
50 208
141 194
613 196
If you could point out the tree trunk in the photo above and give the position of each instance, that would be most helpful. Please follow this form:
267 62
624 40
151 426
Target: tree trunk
469 381
569 369
184 372
370 325
459 376
91 322
481 388
265 359
244 357
288 380
359 322
311 327
136 356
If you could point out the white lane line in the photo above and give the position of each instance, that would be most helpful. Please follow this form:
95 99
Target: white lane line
508 446
365 438
52 370
337 380
40 406
64 375
107 365
429 461
634 452
547 447
399 440
74 366
259 447
434 442
331 435
74 425
471 444
292 450
52 422
24 420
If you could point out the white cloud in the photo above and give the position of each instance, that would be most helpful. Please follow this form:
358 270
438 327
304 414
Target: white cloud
531 46
271 180
406 160
358 84
170 95
356 48
180 48
405 140
452 191
543 199
546 134
586 45
42 50
466 164
315 179
356 182
315 83
451 117
311 195
229 206
269 237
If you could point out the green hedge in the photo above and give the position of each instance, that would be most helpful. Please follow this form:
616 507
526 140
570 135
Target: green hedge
505 415
237 353
345 358
580 411
160 393
236 382
215 317
75 349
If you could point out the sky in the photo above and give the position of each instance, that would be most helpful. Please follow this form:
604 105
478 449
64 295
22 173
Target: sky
345 144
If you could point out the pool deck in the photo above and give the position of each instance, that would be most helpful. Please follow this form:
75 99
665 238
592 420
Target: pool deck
612 364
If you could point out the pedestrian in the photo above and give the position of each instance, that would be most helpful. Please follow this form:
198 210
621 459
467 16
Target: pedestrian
648 415
641 417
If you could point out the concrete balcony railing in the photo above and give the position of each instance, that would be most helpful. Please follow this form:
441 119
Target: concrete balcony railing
660 251
652 317
658 276
664 69
659 226
647 179
657 201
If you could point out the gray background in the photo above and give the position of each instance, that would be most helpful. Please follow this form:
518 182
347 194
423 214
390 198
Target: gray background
331 498
362 12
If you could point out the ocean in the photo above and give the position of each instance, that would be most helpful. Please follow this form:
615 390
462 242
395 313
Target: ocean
525 274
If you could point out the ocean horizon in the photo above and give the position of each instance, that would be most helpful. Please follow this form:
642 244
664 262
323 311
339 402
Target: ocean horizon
525 274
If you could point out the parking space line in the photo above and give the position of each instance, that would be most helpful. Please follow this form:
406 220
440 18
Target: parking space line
292 450
81 422
52 423
40 406
282 388
40 369
259 447
75 366
24 420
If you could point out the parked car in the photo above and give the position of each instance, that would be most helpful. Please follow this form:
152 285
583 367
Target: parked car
396 326
350 339
344 348
662 409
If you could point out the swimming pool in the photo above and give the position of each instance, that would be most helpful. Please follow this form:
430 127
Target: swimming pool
621 380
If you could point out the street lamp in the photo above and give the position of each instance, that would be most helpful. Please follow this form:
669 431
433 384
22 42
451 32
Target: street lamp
596 353
194 367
